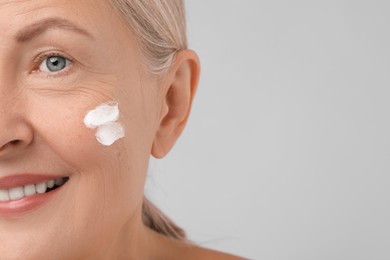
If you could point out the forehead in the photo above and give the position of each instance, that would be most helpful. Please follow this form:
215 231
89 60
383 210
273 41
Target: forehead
25 8
99 17
87 4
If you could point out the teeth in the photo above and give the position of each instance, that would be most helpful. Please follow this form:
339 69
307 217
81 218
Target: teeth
29 190
16 193
50 184
59 181
41 187
4 195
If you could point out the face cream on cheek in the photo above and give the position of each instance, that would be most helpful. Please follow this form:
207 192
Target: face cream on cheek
103 119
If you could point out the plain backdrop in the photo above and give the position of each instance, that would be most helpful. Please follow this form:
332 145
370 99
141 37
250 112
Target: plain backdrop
286 153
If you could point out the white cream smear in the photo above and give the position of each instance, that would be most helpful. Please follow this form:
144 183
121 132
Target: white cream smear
103 118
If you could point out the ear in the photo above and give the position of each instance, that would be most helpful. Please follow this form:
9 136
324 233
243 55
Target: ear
180 88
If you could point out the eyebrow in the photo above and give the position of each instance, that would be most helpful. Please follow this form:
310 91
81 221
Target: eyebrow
37 28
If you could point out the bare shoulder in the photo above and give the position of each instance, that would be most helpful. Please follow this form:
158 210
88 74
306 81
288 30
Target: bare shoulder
212 254
172 249
196 252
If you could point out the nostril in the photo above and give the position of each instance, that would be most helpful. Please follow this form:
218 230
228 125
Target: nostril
9 145
19 135
12 147
15 142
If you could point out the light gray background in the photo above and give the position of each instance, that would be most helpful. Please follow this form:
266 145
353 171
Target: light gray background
286 153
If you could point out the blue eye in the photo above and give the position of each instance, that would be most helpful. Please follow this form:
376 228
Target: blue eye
54 64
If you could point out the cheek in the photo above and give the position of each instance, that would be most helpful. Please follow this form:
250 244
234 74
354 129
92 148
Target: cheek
99 173
63 131
121 164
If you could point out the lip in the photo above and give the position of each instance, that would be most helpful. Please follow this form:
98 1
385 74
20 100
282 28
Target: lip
29 203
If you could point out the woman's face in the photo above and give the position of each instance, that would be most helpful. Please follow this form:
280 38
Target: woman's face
60 59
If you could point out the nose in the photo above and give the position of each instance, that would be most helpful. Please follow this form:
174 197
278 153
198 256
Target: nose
16 131
15 135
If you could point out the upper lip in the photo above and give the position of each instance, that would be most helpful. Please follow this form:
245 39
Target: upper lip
25 179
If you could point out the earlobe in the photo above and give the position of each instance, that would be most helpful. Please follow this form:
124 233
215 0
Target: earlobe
177 101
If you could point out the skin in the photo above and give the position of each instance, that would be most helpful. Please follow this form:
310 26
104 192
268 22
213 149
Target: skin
98 213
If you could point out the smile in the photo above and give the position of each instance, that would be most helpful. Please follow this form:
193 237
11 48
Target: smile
20 192
23 193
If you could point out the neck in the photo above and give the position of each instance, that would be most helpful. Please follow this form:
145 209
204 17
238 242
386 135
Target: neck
134 241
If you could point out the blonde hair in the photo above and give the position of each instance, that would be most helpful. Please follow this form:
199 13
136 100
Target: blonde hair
160 27
161 32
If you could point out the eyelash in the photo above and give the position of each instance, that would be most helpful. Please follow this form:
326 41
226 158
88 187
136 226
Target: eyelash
38 60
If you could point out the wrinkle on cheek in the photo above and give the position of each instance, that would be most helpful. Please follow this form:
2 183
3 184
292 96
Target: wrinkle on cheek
97 86
95 91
